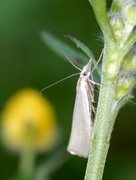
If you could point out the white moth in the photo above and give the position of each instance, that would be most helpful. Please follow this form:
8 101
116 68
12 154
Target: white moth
82 125
80 138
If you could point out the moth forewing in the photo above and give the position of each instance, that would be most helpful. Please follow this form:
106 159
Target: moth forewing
80 138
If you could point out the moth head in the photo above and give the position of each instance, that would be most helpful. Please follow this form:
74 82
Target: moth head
86 72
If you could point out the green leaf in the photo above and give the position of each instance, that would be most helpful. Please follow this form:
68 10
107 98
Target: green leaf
64 51
86 50
83 47
60 48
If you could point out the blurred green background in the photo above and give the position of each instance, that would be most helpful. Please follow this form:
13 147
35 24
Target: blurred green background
25 61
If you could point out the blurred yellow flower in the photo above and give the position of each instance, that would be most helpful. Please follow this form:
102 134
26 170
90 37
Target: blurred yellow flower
28 122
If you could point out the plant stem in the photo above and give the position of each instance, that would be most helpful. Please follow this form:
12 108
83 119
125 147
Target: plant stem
27 162
107 110
99 7
104 123
105 117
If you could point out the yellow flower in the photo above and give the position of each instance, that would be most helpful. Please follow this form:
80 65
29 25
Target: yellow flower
28 122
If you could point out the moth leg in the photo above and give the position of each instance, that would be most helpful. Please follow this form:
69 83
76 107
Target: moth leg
93 109
98 60
95 83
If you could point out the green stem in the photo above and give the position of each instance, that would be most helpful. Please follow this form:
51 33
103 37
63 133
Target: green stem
104 123
99 7
27 163
107 111
105 117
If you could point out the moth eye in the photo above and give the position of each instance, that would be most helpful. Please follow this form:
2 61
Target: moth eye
84 74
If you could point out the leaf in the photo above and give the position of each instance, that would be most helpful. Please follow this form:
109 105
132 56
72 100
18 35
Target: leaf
64 51
82 46
85 49
61 48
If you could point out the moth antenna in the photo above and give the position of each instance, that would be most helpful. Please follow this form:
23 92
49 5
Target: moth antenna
98 60
69 60
57 82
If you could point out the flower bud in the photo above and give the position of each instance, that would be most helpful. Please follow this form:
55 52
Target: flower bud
124 86
28 122
129 62
129 12
117 24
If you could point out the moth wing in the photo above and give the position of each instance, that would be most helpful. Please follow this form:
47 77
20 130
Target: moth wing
80 138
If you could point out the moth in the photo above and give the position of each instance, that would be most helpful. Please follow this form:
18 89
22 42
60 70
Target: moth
82 124
80 137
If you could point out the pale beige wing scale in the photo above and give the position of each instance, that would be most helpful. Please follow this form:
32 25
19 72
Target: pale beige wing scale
80 138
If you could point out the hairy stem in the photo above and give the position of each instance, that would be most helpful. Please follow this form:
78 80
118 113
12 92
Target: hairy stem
99 7
105 117
104 123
